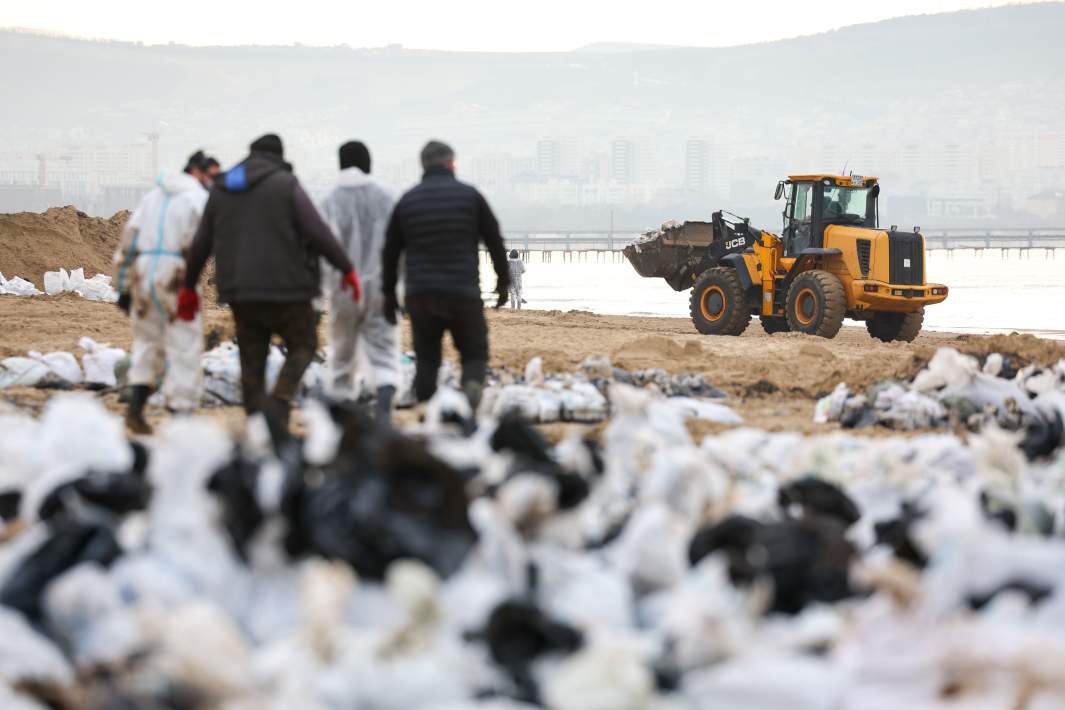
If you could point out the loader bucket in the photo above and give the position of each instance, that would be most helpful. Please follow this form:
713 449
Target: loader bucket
651 259
672 253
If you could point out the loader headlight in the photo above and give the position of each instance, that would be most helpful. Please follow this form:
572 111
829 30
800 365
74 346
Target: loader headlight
939 292
871 288
896 292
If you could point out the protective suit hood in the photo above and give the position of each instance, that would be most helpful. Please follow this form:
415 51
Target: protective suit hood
256 167
354 177
173 183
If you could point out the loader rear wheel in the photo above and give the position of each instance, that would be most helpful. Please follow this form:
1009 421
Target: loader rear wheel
816 304
718 306
895 326
774 324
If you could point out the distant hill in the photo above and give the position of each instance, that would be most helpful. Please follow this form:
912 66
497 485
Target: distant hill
912 68
936 79
618 47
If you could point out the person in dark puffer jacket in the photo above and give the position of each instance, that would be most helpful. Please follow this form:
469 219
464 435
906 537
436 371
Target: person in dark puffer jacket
438 227
267 237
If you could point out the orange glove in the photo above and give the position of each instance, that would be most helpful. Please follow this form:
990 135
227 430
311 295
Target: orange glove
188 303
351 279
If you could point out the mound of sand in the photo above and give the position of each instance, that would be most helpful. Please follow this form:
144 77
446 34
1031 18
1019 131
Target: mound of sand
32 243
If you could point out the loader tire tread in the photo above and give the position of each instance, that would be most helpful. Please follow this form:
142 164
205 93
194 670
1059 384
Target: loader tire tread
829 304
735 313
887 327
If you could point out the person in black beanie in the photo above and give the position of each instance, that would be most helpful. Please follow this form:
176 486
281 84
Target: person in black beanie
267 239
358 209
196 166
438 227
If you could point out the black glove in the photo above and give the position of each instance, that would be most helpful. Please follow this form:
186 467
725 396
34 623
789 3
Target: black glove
391 308
503 289
123 302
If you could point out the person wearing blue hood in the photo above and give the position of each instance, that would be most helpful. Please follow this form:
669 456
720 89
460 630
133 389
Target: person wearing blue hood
267 238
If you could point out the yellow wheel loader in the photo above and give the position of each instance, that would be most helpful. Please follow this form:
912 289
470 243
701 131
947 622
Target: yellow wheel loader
831 261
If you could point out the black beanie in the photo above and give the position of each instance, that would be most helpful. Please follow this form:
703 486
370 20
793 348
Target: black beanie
270 143
355 154
196 161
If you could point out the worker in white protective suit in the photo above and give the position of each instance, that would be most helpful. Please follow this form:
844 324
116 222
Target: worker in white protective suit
151 269
358 209
517 268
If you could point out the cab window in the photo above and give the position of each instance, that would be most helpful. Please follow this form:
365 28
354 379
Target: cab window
847 203
803 202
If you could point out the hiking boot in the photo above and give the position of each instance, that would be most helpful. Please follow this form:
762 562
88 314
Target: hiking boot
137 424
135 421
276 412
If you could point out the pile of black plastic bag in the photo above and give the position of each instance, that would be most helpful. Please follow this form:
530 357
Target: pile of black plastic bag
466 563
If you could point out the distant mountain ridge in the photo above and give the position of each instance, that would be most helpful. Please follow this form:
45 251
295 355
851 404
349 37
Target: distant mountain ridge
618 47
932 73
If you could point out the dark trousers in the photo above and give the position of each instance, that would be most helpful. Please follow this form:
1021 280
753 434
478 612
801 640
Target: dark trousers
256 324
430 318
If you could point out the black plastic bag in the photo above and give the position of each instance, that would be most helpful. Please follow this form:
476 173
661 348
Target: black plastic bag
234 485
818 497
384 498
116 493
71 543
806 560
517 633
1043 436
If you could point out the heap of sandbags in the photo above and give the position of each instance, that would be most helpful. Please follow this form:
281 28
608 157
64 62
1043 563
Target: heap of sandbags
98 288
17 286
533 396
954 389
581 396
466 563
61 370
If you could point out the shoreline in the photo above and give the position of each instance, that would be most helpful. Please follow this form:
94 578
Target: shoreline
1046 333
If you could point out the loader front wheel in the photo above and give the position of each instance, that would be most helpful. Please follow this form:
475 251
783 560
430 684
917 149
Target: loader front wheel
718 306
816 304
895 326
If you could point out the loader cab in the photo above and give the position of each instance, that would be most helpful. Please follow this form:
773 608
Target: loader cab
818 201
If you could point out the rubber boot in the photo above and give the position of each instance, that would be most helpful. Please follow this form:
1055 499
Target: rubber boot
384 403
135 421
276 412
473 391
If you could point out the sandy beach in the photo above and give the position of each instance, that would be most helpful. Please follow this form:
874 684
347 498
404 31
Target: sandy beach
772 381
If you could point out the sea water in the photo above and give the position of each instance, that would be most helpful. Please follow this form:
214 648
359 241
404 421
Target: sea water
991 290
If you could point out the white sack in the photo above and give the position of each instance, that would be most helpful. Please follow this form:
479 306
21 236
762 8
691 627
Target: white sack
62 364
21 372
99 362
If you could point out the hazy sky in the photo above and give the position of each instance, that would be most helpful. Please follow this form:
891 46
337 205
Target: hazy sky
492 25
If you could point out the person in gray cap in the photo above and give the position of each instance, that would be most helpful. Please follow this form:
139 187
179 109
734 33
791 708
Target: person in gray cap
438 227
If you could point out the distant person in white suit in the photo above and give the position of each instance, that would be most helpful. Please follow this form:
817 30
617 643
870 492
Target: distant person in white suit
517 268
